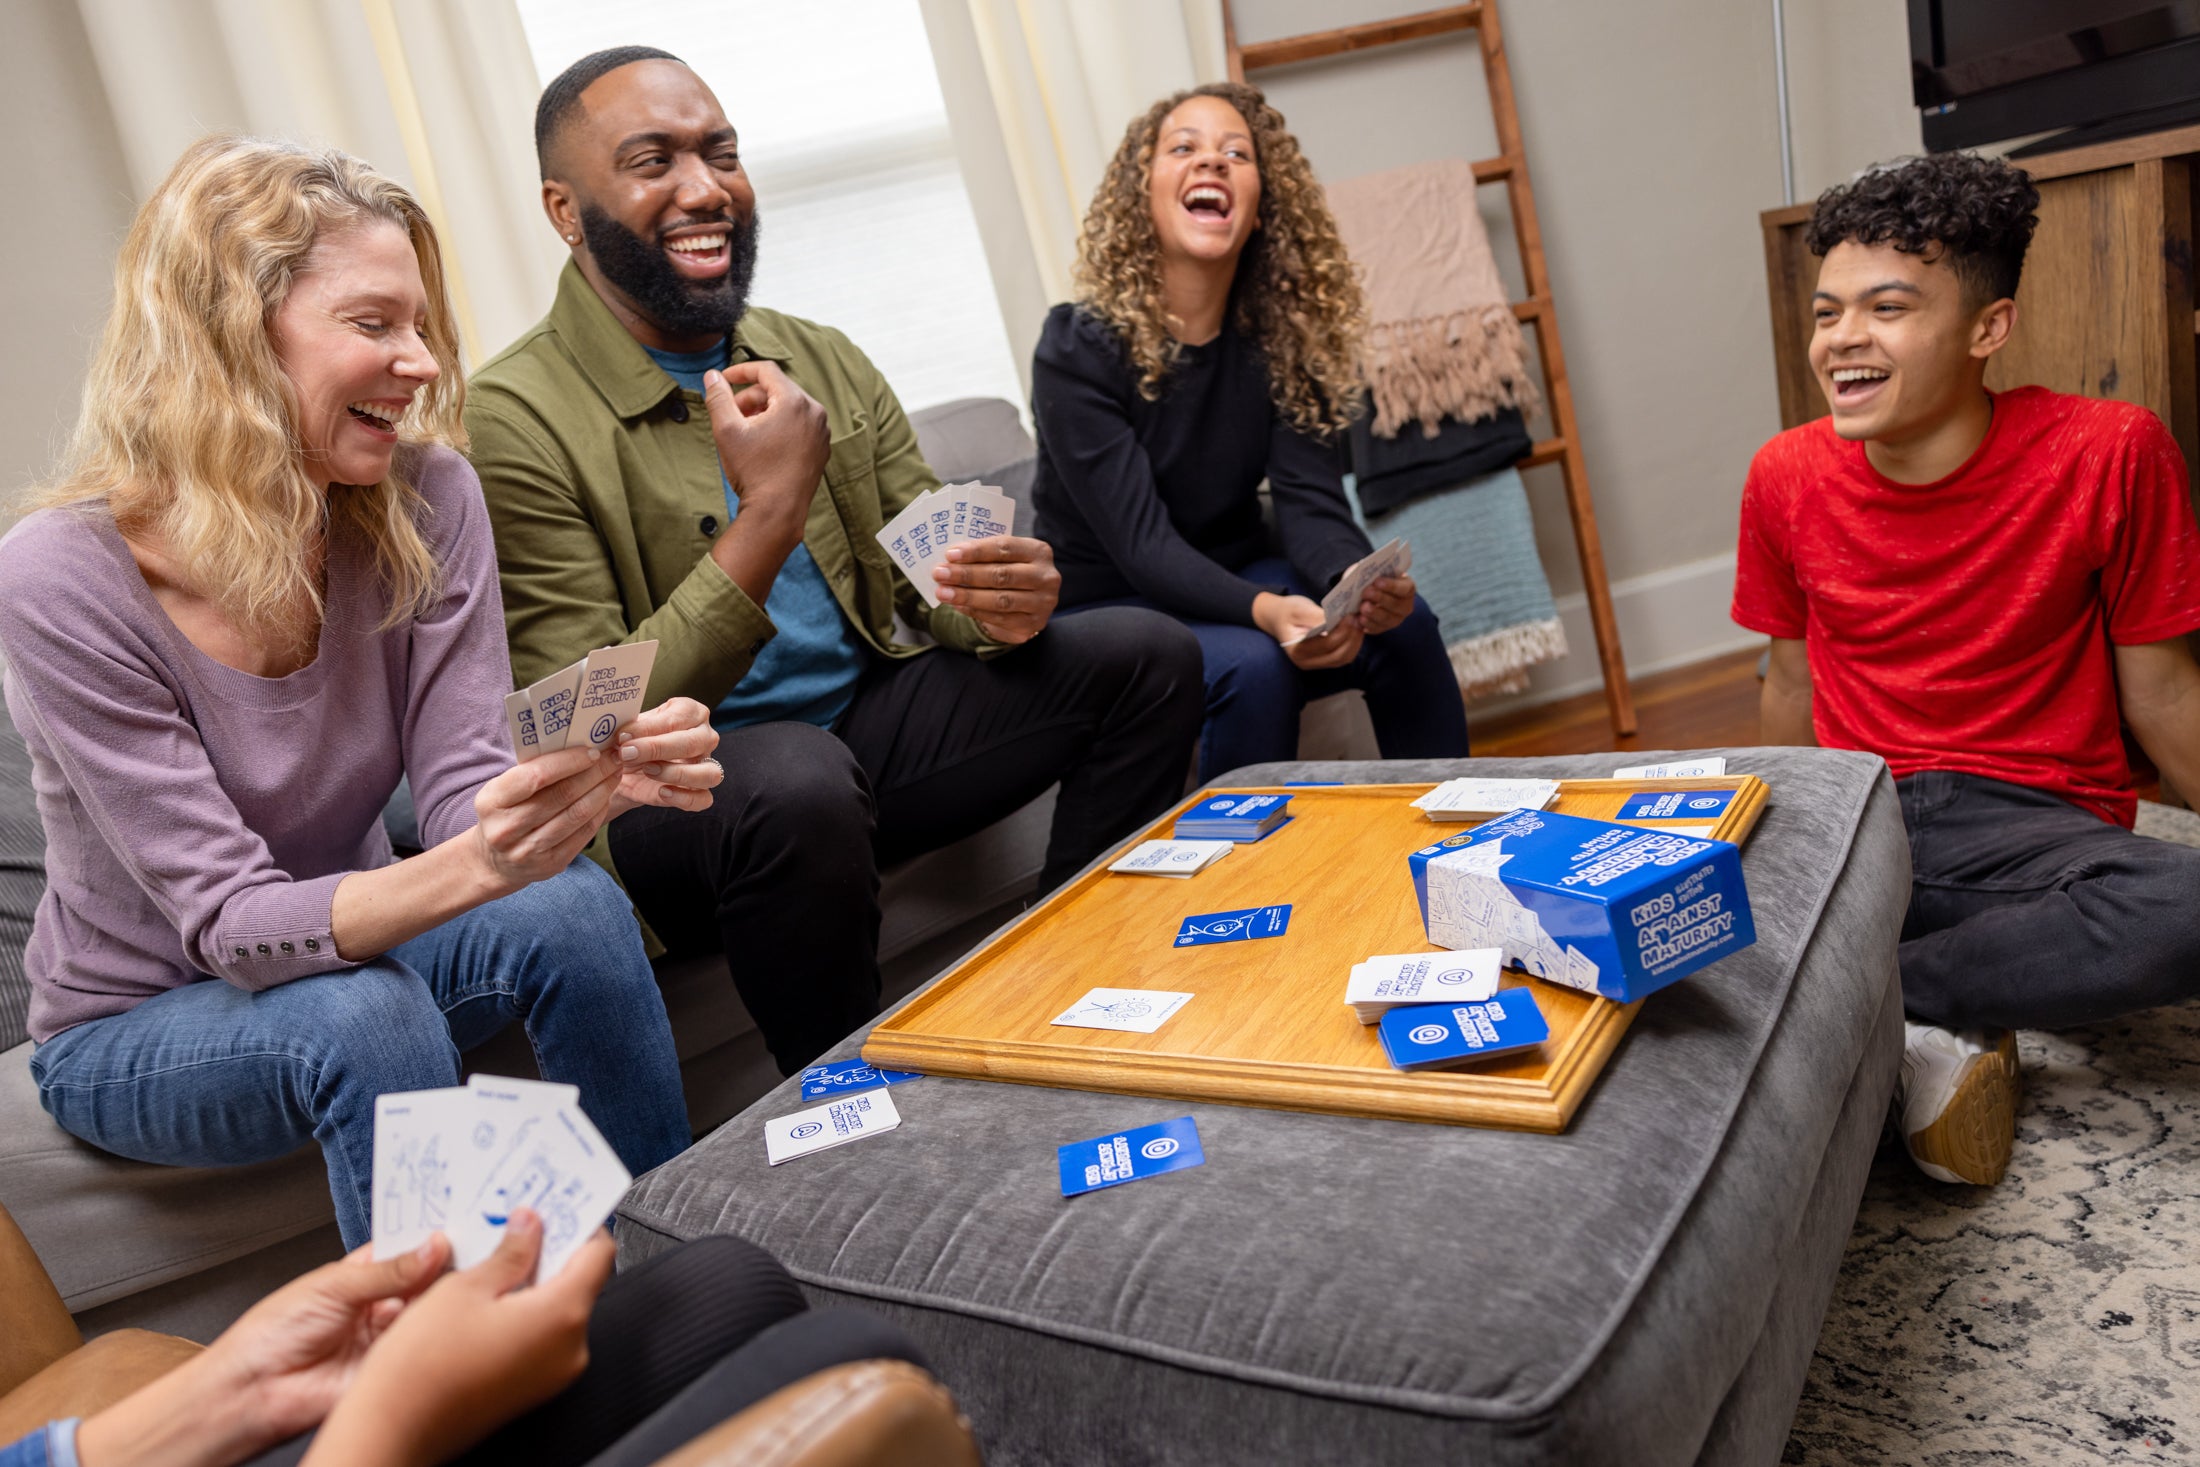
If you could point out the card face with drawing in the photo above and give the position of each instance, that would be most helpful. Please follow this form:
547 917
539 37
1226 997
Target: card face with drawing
1126 1010
1248 924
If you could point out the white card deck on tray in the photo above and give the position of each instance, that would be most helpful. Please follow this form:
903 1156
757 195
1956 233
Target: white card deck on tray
1172 857
1381 984
919 536
459 1160
1709 768
1482 799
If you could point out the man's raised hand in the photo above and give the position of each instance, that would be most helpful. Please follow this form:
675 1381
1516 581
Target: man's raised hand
772 440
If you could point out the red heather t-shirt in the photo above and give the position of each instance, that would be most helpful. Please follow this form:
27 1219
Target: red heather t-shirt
1968 624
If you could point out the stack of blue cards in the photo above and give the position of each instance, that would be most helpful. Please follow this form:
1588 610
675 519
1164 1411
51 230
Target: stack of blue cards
1446 1036
1129 1156
1233 817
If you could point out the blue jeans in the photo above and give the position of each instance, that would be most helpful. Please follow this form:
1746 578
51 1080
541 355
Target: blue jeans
1255 691
210 1075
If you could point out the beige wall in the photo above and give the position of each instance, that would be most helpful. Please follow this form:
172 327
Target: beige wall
71 203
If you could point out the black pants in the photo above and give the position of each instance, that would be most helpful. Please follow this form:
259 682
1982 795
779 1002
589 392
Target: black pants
781 874
677 1345
2027 912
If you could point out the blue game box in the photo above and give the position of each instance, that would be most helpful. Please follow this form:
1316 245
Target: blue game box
1610 909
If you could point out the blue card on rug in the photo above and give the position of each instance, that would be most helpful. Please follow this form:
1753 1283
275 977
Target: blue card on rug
1442 1036
1130 1156
1240 926
1233 817
1676 805
844 1077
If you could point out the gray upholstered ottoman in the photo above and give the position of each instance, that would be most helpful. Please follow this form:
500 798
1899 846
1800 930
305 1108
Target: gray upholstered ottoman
1646 1288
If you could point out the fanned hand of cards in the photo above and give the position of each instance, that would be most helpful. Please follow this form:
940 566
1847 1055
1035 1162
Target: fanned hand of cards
919 536
457 1162
584 705
1343 600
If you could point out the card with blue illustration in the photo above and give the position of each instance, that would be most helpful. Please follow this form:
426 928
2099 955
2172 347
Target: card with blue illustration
1130 1156
1125 1010
845 1077
1244 925
1443 1036
1676 805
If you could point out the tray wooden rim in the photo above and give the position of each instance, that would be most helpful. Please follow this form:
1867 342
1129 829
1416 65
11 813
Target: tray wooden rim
1546 1104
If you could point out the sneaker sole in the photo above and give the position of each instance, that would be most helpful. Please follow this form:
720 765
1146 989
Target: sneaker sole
1972 1138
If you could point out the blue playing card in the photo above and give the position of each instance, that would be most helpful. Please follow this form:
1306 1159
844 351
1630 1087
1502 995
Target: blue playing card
1436 1036
843 1077
1130 1156
1676 805
1239 926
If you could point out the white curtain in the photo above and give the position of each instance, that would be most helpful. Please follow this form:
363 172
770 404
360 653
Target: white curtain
1038 93
439 96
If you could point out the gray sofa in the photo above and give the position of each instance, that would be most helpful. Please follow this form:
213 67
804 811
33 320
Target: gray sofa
1644 1289
184 1249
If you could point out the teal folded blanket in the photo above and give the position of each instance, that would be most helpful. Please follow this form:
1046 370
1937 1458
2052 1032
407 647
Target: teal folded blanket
1475 563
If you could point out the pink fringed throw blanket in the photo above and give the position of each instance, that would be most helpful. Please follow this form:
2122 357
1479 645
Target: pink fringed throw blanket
1444 340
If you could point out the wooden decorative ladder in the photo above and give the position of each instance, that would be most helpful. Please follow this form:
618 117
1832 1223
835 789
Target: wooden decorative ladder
1511 168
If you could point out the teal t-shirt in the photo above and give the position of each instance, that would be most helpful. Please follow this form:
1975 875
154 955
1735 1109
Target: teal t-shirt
807 673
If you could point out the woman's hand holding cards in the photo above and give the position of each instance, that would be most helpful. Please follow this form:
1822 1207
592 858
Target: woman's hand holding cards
665 759
1388 601
534 818
1292 621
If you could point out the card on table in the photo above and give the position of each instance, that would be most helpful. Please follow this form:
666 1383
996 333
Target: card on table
845 1077
1243 818
1130 1156
1244 925
1465 799
613 681
1710 768
1675 804
1393 981
458 1160
1440 1036
1172 857
822 1127
1125 1010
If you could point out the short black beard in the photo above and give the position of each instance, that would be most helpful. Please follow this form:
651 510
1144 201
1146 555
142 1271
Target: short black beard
676 305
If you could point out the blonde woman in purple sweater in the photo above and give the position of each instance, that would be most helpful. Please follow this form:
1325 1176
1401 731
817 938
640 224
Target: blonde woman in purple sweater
265 591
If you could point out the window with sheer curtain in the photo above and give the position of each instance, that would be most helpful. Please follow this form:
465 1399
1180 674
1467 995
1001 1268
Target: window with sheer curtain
865 222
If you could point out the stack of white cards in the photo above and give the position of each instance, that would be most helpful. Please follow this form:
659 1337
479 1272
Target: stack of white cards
1381 984
1172 857
1709 768
822 1127
458 1161
1483 799
918 537
584 705
1393 559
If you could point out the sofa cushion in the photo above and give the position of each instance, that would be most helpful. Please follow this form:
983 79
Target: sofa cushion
22 878
1504 1297
980 438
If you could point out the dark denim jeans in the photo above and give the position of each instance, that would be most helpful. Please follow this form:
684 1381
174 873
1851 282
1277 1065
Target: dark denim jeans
210 1075
1255 691
2027 912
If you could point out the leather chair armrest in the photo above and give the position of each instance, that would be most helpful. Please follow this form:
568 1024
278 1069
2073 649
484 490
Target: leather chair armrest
35 1328
869 1414
91 1379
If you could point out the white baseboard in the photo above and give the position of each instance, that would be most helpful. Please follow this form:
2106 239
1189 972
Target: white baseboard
1667 618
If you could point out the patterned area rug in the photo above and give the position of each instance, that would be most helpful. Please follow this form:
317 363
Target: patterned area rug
2055 1317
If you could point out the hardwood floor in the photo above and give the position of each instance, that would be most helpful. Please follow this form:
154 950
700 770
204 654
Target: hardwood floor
1704 705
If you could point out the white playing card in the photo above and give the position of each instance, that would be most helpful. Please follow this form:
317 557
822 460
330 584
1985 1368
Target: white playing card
553 700
1458 798
987 512
519 722
1689 769
958 519
1392 559
613 680
822 1127
907 538
1127 1010
418 1152
1384 983
1172 857
541 1153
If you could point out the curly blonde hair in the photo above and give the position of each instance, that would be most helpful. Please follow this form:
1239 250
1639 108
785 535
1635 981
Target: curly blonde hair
188 428
1297 295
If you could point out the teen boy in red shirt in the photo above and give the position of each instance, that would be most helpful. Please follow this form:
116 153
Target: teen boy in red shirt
1976 586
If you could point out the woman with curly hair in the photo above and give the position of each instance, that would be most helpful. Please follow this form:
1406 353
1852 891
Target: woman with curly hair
1212 347
264 592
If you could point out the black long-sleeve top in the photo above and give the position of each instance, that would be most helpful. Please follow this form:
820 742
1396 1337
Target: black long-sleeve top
1161 499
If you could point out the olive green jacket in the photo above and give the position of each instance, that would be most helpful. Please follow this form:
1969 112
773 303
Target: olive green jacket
603 486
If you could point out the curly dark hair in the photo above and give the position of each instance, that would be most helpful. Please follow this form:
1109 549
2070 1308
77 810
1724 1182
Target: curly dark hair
1976 213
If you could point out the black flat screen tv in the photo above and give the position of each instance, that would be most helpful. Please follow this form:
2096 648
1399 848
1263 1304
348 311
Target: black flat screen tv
1985 71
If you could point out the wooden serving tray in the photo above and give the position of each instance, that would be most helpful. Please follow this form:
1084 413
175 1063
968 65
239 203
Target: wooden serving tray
1268 1024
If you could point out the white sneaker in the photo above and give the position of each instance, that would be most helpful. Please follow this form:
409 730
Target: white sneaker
1958 1099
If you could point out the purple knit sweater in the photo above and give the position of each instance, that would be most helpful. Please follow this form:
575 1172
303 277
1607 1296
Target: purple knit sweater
198 818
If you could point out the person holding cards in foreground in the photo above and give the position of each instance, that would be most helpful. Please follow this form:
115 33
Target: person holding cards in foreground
1979 586
398 1362
1212 347
264 592
664 463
